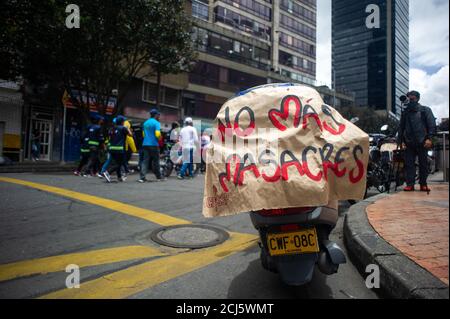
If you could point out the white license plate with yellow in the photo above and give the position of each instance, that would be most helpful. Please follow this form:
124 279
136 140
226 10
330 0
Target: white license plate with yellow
299 242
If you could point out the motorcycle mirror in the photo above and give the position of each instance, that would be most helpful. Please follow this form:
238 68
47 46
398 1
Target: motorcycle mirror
354 120
384 128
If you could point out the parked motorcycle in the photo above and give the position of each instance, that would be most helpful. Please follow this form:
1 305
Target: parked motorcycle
171 158
294 240
381 155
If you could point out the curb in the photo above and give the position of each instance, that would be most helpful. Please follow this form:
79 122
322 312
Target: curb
18 168
400 277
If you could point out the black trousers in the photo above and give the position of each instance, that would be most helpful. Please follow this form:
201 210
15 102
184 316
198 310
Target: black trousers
83 160
412 152
151 155
93 161
117 161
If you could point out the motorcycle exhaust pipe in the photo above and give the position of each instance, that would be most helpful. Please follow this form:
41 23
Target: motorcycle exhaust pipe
330 258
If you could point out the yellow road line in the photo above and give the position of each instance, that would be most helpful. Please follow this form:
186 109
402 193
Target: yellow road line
149 215
135 279
82 259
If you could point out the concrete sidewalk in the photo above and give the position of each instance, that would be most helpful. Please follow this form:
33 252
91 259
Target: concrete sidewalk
407 235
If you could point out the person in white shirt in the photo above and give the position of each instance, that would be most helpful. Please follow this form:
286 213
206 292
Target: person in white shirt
189 142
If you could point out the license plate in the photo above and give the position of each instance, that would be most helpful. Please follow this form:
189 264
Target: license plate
300 242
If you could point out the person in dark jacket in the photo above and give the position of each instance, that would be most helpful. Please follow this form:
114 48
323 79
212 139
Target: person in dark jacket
117 141
417 127
84 154
95 143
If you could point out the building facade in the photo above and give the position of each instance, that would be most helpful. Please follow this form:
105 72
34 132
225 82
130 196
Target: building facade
370 44
240 44
11 109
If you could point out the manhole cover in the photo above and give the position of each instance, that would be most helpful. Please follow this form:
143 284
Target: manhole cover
189 236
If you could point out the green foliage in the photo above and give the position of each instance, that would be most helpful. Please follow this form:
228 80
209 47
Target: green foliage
116 40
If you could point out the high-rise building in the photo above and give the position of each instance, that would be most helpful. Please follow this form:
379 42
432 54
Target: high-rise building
370 41
243 43
240 44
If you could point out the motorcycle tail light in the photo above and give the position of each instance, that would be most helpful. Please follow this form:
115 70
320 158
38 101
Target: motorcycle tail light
285 211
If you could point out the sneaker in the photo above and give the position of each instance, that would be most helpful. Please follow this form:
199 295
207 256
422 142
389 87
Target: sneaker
180 177
107 176
76 173
425 188
409 189
124 178
99 175
142 180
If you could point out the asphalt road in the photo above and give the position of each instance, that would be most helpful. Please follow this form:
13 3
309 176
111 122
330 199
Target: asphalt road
111 244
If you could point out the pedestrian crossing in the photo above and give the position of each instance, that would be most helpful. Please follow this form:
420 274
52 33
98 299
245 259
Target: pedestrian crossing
161 267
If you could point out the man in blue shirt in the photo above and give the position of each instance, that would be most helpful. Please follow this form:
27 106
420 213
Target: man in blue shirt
150 146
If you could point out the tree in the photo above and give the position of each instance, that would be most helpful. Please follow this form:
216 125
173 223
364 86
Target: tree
174 50
116 40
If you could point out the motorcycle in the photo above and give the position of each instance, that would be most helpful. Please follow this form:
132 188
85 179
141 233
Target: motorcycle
294 240
171 158
381 155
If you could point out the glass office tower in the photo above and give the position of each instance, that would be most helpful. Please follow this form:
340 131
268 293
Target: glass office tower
373 62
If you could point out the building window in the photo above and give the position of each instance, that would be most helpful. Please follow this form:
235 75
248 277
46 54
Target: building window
253 7
242 23
230 49
297 63
298 27
298 11
200 10
168 96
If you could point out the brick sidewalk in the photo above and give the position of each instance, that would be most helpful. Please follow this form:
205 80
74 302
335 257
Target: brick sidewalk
417 224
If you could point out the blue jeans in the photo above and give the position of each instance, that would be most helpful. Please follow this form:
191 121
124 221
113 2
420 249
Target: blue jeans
107 163
188 159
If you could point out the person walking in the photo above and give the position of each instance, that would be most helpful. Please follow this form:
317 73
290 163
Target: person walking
189 143
117 140
150 146
84 154
130 147
36 145
95 143
417 127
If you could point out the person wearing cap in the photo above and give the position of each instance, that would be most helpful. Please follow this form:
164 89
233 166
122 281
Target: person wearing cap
189 142
150 146
95 142
417 127
117 140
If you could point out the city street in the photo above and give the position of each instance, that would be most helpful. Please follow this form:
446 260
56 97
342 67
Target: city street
50 221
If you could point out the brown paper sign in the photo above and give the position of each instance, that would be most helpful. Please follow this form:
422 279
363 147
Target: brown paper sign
280 146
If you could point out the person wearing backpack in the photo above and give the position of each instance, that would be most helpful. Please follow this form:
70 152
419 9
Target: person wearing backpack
417 127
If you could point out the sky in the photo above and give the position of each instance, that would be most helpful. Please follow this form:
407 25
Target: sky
429 51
